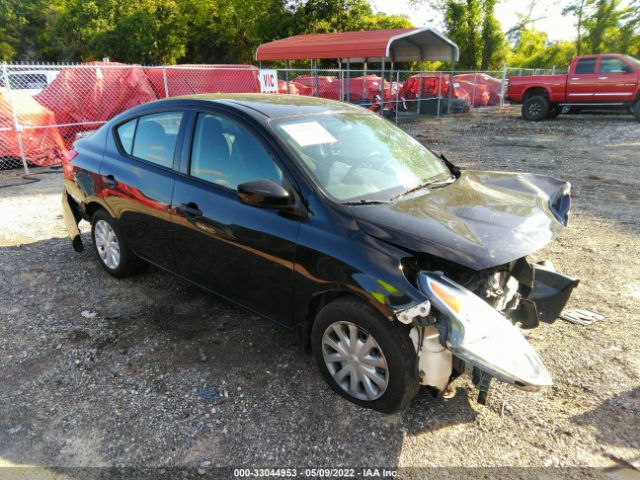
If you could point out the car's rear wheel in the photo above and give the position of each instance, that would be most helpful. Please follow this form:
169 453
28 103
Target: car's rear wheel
535 108
110 246
365 357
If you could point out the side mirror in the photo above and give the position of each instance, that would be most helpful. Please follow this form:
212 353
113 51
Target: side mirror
264 193
627 69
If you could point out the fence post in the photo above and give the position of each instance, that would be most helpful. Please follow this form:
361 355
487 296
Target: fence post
450 93
164 78
397 93
16 126
314 64
286 75
503 84
473 91
439 95
420 80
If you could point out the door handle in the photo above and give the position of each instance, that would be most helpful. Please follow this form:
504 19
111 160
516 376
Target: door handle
190 210
109 181
603 78
575 78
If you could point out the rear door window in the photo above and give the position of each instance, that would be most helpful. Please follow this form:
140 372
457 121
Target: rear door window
125 134
586 66
612 65
151 137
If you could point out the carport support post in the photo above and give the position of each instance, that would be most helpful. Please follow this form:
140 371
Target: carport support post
340 79
16 126
164 79
364 84
382 87
348 80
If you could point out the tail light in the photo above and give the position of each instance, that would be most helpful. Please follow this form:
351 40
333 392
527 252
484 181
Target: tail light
67 167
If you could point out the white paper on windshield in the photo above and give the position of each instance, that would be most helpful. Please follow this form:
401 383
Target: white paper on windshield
309 133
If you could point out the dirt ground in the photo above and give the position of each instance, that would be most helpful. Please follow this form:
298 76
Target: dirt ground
152 371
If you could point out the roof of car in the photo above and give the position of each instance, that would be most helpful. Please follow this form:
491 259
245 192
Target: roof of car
276 105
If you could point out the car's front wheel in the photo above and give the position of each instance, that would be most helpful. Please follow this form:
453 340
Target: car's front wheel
364 357
110 246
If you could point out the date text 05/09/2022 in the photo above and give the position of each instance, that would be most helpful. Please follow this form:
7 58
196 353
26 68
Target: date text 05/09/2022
315 472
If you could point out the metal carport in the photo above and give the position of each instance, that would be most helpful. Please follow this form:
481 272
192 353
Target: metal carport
392 45
395 45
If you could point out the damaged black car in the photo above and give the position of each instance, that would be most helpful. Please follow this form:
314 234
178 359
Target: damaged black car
396 268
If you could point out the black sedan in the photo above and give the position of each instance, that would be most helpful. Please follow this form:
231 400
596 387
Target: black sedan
395 267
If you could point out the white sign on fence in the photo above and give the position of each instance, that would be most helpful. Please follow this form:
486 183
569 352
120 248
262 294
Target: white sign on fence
268 81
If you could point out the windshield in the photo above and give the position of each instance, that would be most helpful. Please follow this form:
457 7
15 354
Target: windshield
634 61
358 156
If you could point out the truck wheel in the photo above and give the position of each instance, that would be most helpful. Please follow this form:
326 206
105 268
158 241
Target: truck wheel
364 357
535 108
554 111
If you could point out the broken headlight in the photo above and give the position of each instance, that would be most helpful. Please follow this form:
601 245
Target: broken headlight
481 336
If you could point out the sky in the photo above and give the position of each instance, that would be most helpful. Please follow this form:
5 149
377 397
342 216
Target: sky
554 24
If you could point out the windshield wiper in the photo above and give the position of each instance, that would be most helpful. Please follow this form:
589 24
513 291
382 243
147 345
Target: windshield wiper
366 202
428 183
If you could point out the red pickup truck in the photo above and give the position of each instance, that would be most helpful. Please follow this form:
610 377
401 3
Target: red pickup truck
600 81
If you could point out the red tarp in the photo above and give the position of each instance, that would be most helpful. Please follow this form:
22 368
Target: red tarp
80 95
478 94
191 79
42 146
494 86
295 88
362 89
411 86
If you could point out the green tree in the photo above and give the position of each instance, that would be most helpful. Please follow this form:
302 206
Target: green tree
25 28
494 48
139 31
533 50
599 23
478 33
578 9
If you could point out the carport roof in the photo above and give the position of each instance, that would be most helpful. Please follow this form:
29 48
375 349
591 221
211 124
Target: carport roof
399 45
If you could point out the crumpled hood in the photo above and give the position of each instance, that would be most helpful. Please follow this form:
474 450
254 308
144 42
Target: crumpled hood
482 220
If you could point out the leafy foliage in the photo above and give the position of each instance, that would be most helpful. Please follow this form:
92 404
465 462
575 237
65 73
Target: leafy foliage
229 31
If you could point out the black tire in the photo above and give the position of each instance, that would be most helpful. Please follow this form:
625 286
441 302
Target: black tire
636 110
395 347
554 111
127 264
535 108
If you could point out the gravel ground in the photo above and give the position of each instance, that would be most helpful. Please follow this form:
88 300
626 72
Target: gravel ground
152 371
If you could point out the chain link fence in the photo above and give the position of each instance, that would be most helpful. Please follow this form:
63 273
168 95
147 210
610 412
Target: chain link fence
45 107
